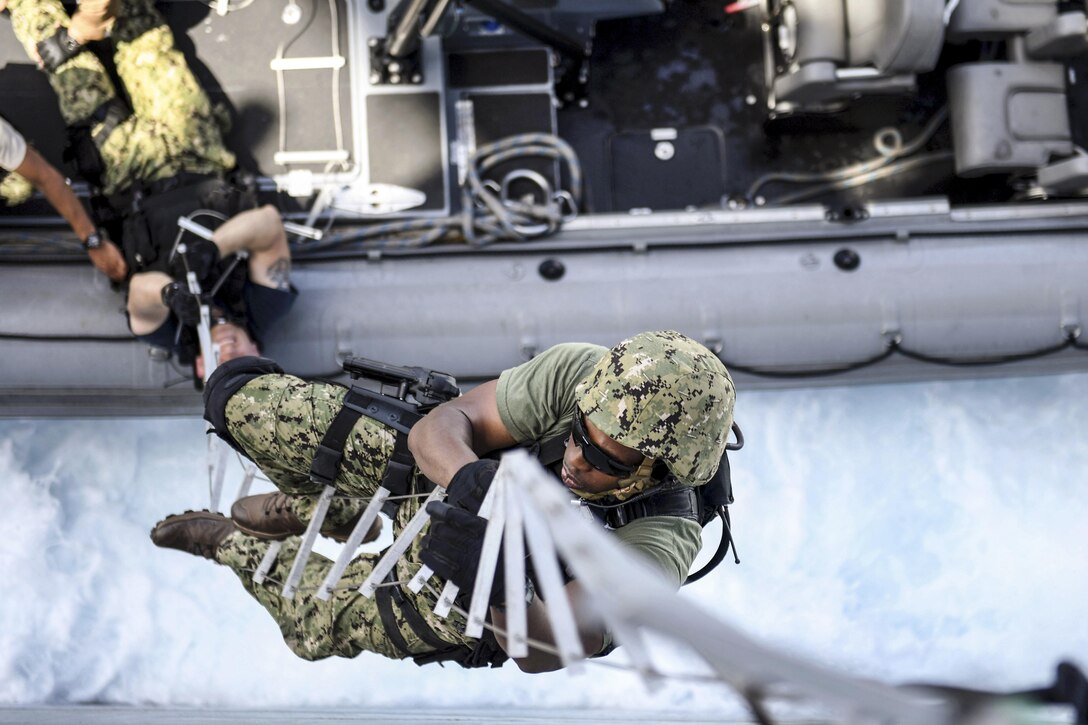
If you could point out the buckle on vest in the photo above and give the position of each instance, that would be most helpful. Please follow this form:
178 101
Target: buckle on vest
397 477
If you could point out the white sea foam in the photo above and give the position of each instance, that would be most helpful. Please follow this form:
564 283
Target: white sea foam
910 532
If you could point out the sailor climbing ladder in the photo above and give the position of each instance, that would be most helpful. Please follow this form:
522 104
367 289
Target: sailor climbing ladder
529 514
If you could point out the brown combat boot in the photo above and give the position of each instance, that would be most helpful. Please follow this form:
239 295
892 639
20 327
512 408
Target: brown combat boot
195 532
269 516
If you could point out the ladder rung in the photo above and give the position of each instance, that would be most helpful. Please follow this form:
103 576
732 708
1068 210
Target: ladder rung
332 61
284 158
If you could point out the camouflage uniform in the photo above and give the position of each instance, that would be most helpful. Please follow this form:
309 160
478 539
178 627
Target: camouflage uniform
660 392
173 127
279 421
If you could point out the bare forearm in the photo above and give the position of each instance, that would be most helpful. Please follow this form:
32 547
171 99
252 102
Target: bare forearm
45 178
537 660
539 630
442 443
458 432
60 195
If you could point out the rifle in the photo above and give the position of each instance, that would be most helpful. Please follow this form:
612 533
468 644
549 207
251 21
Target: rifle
428 387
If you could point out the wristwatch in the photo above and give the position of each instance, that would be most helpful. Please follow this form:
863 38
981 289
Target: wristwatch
93 240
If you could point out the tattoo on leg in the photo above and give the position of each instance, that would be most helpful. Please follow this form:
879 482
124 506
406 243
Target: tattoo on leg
280 273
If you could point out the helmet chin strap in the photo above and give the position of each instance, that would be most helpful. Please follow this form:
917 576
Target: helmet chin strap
646 471
642 479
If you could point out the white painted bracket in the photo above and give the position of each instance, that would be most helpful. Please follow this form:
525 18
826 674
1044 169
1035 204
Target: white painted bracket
396 551
370 514
306 546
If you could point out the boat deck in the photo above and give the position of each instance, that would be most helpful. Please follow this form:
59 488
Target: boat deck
691 68
679 141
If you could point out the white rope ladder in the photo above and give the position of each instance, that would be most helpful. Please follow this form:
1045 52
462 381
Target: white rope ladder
525 507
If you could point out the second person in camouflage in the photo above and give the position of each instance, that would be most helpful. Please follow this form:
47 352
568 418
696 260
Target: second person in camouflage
162 158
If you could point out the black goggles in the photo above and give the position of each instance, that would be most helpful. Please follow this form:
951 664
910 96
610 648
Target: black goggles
594 456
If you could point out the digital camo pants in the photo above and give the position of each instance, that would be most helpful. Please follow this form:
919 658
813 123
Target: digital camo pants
279 420
173 126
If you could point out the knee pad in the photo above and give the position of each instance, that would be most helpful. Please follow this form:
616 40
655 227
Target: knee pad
228 379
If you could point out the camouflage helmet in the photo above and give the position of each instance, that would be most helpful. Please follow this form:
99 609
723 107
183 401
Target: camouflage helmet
666 396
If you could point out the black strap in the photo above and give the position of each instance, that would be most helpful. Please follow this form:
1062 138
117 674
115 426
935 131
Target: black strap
718 491
486 652
398 474
682 502
417 623
183 186
400 467
58 49
357 403
551 451
330 451
383 597
111 114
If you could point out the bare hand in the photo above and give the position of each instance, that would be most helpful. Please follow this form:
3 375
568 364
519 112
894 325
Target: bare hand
109 260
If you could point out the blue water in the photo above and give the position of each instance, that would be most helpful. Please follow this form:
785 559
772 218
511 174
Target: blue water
931 531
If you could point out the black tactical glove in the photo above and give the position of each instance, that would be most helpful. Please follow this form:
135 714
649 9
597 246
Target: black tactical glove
469 485
452 548
58 49
182 303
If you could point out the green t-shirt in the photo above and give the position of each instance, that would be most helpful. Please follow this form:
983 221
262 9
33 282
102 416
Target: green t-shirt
536 403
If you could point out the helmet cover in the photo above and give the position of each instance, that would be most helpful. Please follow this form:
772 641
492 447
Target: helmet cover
666 396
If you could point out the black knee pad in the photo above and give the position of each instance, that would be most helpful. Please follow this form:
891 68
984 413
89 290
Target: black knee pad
228 379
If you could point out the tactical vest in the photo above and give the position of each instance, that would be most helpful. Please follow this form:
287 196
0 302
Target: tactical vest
149 215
